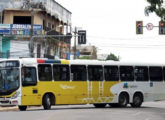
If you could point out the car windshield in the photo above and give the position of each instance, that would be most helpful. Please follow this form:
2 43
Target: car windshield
9 79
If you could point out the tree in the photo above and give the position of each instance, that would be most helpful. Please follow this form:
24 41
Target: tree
157 7
112 56
85 58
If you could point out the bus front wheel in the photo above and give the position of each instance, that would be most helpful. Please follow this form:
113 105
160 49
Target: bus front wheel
47 102
22 108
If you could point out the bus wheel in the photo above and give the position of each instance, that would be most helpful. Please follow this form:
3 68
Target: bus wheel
22 108
99 105
137 100
47 102
123 100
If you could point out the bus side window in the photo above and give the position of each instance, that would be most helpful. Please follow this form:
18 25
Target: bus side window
141 73
111 73
156 73
45 72
95 73
29 76
164 73
126 73
61 72
78 72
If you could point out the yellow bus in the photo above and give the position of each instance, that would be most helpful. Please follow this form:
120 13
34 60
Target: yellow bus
36 82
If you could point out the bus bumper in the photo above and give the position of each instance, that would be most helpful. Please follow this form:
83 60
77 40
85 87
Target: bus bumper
9 102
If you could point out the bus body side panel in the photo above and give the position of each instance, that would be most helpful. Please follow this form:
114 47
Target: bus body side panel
30 97
71 92
108 95
158 91
131 87
33 95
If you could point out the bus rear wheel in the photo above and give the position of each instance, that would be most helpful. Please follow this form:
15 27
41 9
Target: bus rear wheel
47 102
22 108
137 100
99 105
123 100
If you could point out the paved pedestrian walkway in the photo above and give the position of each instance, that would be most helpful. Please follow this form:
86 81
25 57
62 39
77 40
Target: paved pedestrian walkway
8 108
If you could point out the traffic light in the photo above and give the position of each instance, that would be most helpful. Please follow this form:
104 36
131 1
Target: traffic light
82 37
161 27
139 27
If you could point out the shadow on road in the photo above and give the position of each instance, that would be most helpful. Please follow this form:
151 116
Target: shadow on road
59 108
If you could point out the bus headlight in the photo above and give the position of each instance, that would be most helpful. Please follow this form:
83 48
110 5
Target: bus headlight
15 95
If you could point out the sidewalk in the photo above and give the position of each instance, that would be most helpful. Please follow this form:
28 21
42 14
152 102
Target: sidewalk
8 108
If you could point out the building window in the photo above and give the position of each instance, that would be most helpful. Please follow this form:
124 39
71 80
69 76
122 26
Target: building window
49 26
44 25
78 73
111 73
52 26
22 20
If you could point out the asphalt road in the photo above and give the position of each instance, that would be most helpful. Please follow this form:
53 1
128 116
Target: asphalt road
148 111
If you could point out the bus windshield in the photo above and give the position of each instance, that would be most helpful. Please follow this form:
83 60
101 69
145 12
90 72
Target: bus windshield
9 80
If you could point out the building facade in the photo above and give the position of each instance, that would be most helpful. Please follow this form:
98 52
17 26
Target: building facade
48 20
87 52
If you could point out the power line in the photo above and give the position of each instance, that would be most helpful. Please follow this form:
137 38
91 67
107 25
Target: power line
122 46
127 39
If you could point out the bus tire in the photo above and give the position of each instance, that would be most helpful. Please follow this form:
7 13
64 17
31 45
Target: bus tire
22 108
99 105
123 99
47 102
137 100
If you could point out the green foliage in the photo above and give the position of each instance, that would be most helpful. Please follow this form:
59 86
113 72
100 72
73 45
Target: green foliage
112 56
155 6
85 58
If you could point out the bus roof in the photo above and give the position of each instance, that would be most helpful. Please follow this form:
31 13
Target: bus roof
81 62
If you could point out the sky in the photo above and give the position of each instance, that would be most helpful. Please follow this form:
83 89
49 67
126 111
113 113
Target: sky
111 27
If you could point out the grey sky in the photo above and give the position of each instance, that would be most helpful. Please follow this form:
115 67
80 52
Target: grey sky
110 25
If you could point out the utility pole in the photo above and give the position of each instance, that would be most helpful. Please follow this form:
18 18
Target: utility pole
31 34
1 17
75 49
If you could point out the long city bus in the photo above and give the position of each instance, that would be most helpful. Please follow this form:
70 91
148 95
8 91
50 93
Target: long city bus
43 82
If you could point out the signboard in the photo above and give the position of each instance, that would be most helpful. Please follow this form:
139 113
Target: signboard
25 29
20 29
82 37
4 32
5 29
9 64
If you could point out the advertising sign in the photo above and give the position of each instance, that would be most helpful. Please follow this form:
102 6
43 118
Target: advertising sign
20 29
25 29
5 29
